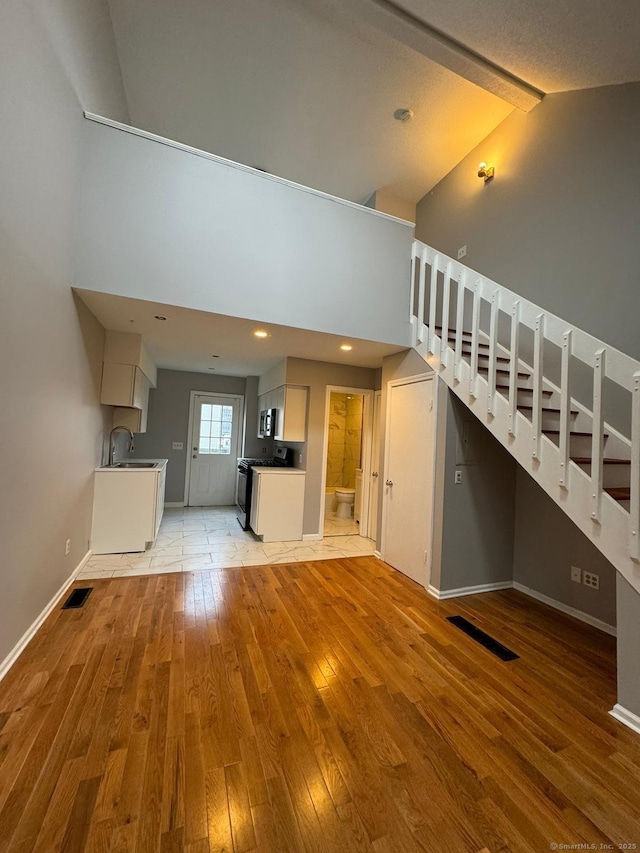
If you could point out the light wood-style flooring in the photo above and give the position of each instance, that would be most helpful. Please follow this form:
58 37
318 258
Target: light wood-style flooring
325 707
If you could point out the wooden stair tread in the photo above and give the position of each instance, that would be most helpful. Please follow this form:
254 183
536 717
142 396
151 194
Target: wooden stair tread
586 460
619 493
504 372
549 409
545 393
571 432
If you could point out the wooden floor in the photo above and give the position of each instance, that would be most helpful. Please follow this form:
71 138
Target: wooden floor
323 706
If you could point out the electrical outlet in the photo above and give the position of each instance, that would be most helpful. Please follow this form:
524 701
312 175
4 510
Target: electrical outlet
67 547
591 580
576 574
178 445
458 478
462 251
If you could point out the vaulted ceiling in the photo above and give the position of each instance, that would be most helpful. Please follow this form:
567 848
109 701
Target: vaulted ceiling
307 89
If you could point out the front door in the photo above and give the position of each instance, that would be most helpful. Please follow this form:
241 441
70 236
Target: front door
214 450
409 477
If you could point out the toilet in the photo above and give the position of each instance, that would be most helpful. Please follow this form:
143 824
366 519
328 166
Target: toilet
345 498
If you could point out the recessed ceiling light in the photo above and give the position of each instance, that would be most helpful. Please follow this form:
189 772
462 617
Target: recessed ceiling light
346 347
159 317
260 333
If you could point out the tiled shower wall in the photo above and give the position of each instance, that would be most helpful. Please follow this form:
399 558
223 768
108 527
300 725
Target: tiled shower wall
345 437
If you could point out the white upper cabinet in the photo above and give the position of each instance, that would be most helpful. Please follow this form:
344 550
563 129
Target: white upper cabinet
126 380
290 403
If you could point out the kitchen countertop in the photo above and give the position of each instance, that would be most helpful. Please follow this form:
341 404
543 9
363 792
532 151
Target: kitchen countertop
266 469
158 465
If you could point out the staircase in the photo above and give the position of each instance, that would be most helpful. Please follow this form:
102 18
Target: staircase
516 367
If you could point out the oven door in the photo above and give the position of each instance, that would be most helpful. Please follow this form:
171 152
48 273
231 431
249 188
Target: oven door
243 500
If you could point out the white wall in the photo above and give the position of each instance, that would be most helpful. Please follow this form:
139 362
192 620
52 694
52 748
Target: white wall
159 223
56 58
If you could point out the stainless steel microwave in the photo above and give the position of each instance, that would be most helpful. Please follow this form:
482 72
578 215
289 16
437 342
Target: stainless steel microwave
267 427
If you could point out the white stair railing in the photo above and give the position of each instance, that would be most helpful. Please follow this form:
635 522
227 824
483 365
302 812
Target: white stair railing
448 304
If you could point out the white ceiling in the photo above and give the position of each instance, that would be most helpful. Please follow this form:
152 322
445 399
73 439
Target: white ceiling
188 339
554 45
298 88
306 89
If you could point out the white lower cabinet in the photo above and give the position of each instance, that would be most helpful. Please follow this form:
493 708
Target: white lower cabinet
277 503
128 505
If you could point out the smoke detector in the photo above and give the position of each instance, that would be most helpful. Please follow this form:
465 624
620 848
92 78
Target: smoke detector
403 115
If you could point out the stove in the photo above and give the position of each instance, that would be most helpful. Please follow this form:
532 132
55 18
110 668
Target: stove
282 458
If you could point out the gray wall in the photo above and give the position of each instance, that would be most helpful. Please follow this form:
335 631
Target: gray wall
547 544
56 58
558 223
169 420
317 375
236 242
478 513
628 644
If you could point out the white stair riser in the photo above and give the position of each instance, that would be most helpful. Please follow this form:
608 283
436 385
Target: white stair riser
612 475
579 445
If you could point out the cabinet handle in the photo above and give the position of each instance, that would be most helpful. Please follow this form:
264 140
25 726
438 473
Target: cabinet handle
389 482
375 474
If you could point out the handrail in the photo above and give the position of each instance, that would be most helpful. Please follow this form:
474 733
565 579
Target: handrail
433 274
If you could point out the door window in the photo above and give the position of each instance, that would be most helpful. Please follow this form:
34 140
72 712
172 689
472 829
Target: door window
216 423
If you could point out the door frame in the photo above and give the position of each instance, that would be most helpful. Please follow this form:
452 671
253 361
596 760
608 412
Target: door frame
192 408
375 463
393 383
365 452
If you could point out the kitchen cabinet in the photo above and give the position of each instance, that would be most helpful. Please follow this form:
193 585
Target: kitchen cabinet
126 387
277 503
290 403
128 505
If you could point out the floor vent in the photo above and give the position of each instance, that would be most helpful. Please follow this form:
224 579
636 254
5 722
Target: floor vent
484 639
77 598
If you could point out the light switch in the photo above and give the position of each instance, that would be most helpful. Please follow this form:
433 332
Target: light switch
178 445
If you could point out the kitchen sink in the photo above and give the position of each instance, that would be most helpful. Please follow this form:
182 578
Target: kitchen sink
135 465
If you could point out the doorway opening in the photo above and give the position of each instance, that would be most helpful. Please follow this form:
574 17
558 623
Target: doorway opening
214 433
346 467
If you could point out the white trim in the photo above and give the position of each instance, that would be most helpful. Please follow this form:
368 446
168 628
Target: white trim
192 398
173 504
365 455
26 638
627 718
565 608
311 537
377 554
444 594
135 131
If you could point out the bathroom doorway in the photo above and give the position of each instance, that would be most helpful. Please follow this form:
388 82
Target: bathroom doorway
345 503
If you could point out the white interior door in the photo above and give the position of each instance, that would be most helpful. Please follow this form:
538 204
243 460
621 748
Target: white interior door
214 450
409 477
374 477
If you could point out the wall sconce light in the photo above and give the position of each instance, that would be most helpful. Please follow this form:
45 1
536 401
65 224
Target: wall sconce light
486 172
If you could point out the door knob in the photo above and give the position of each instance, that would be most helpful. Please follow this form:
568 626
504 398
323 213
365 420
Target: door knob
195 455
389 482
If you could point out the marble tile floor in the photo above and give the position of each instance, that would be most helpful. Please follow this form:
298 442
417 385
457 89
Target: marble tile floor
208 538
334 526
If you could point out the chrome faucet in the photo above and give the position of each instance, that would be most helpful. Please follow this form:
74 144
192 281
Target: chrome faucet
112 446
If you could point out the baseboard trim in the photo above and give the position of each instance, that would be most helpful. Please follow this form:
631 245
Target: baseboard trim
377 554
627 718
444 594
174 504
26 638
311 537
565 608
